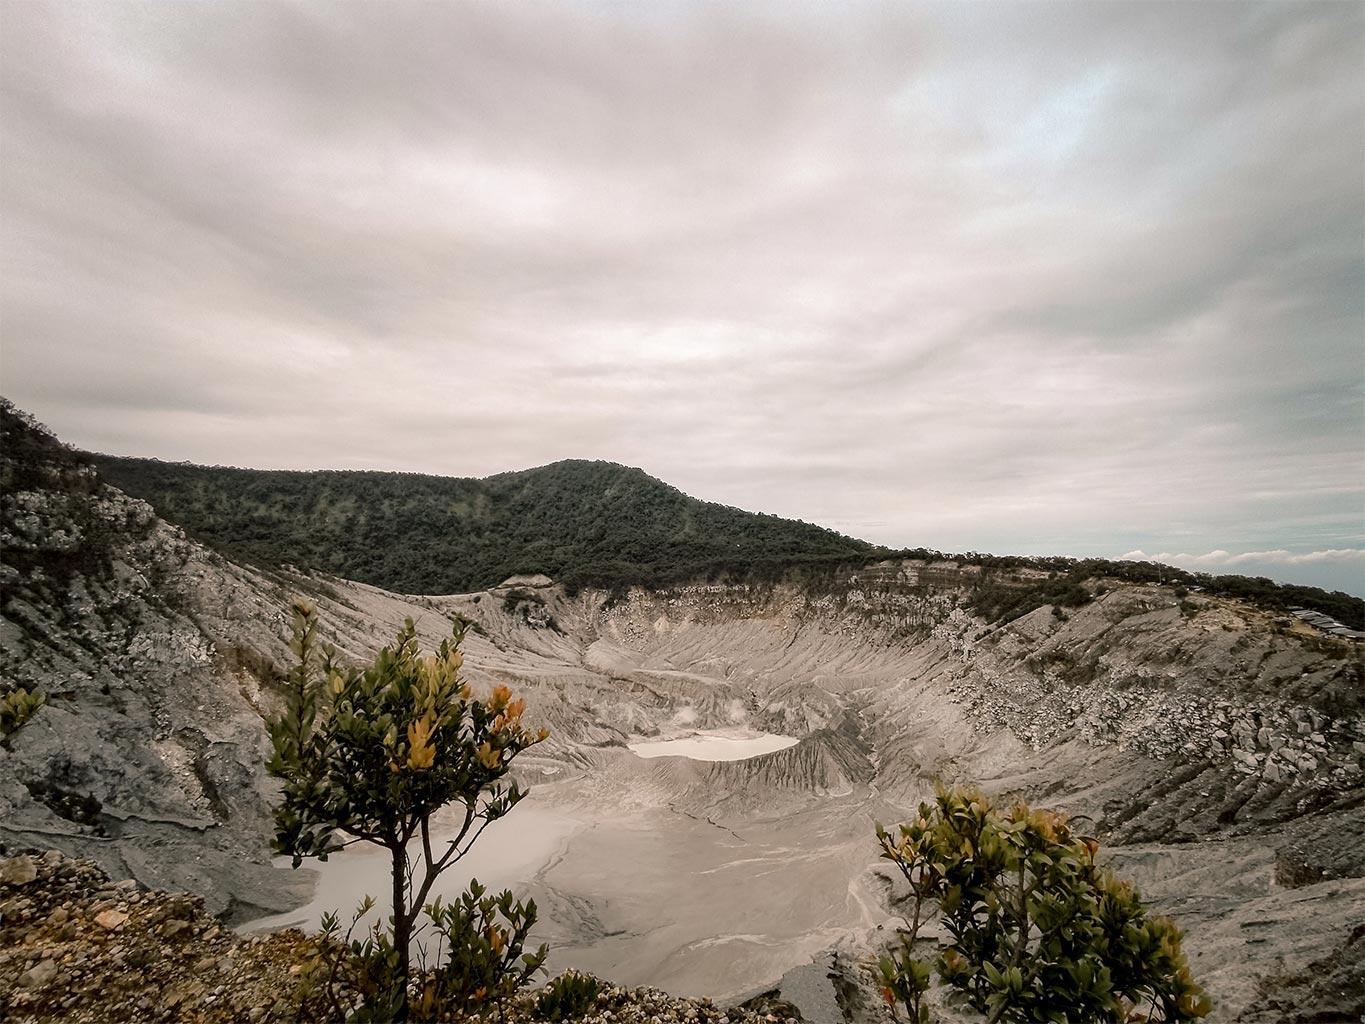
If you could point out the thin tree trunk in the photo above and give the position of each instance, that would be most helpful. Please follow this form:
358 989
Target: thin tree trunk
402 926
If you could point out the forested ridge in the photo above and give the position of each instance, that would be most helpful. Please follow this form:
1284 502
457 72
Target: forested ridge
582 523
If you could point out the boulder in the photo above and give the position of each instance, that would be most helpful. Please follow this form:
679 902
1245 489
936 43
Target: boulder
111 920
18 871
39 976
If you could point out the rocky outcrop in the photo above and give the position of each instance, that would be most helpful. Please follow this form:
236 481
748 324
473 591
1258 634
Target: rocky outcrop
76 946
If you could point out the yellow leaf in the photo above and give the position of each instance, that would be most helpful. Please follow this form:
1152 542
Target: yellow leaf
421 753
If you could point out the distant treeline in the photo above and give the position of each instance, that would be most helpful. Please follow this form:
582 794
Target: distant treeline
1258 590
585 524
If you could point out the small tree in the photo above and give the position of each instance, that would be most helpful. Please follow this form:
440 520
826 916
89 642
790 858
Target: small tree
1039 933
17 707
372 754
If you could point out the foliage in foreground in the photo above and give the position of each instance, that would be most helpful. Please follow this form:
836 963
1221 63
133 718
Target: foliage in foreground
17 708
567 997
480 942
1038 932
371 755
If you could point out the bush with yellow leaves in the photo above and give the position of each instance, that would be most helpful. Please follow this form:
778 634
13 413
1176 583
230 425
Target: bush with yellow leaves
369 755
1038 932
17 706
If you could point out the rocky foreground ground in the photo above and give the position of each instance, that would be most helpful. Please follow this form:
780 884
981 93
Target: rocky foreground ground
77 946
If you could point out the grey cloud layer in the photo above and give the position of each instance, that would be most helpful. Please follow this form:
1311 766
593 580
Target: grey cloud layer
1056 278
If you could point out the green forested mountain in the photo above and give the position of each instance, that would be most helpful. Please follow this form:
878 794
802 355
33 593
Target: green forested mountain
583 523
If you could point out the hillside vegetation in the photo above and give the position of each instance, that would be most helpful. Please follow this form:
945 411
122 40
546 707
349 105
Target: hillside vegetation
1000 598
583 523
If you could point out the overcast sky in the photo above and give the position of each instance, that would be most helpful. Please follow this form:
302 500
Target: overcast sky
1028 278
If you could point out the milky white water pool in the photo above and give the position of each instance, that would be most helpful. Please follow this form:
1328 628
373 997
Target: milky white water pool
715 746
508 854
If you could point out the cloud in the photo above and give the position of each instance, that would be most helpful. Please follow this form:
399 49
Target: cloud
1057 279
1225 558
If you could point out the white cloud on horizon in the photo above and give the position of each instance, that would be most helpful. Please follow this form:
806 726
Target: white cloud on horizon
1221 557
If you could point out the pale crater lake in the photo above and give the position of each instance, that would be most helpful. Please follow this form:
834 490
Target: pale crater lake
715 746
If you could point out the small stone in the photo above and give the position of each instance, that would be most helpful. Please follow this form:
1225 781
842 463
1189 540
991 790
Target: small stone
111 920
174 929
142 956
180 908
58 916
18 871
44 974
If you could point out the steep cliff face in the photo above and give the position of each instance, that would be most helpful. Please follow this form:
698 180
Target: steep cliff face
158 659
151 654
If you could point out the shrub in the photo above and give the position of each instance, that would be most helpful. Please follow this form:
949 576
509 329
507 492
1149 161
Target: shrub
1001 601
17 707
513 599
82 808
347 970
371 754
484 963
568 996
1038 932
